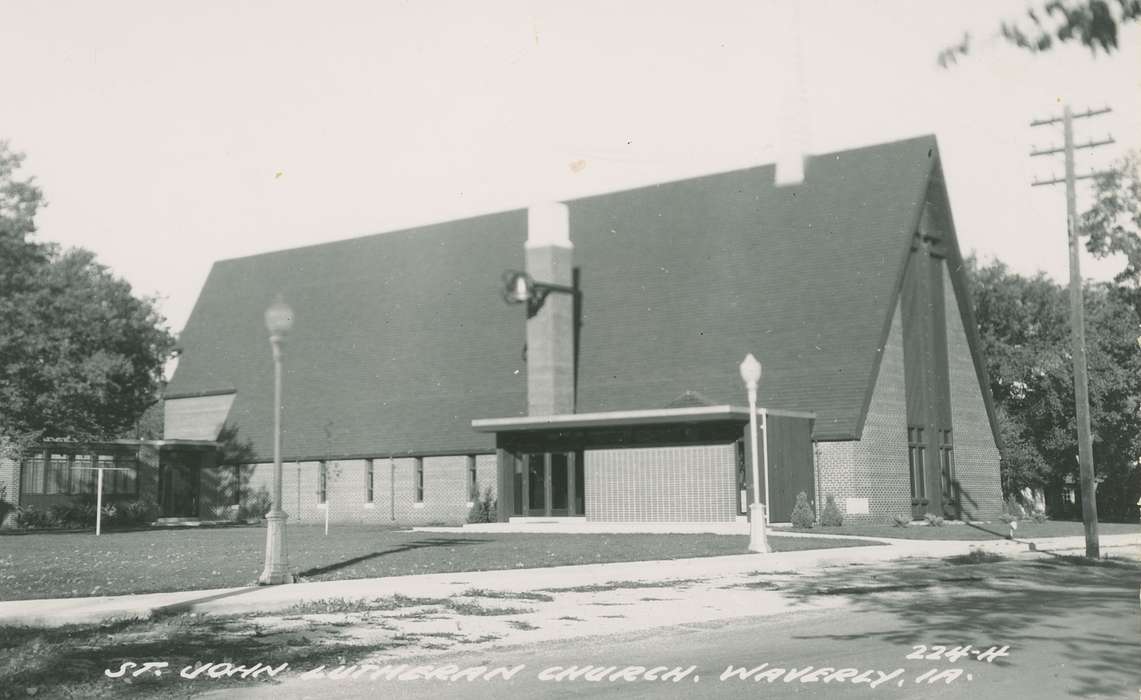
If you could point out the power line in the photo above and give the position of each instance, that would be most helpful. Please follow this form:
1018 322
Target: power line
1077 312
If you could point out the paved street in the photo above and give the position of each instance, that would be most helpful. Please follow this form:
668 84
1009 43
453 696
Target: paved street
1072 631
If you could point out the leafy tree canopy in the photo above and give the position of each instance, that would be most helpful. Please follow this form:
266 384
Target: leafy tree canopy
1112 225
1093 23
80 355
1024 328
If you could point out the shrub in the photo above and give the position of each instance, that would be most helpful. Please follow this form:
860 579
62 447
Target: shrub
1008 518
142 511
255 505
802 514
901 520
33 518
1013 508
79 513
934 520
831 515
484 507
6 508
1039 517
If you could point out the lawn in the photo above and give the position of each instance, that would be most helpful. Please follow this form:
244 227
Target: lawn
63 565
988 531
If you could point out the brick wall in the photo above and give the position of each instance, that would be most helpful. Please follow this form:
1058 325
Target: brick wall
976 454
446 486
9 480
662 484
875 467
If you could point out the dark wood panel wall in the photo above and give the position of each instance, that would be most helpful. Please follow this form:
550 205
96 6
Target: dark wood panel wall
925 358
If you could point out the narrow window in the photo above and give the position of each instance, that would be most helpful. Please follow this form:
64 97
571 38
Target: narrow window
57 477
947 465
322 482
368 480
418 480
110 476
32 480
82 474
472 479
916 451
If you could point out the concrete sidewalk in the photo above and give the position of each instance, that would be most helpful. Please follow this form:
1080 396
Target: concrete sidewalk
58 612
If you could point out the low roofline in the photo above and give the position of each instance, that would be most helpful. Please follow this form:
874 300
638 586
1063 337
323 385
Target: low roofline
654 416
126 442
199 394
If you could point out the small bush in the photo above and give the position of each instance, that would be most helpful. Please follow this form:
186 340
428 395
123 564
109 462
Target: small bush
934 520
79 513
1039 517
802 514
1008 518
1013 508
143 511
255 505
901 520
484 507
6 508
831 515
33 518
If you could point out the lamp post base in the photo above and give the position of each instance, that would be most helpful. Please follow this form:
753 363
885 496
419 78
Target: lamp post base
276 564
758 537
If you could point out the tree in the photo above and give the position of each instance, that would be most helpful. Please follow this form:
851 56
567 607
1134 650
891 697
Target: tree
81 356
1112 225
1094 24
1024 330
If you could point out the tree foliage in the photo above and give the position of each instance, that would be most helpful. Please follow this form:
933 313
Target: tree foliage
1094 24
81 354
1024 328
1112 225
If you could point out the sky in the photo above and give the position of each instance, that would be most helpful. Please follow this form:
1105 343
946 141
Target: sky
167 136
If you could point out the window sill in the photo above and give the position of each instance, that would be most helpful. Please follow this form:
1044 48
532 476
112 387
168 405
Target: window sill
419 504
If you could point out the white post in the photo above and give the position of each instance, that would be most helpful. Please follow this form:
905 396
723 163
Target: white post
758 538
765 453
99 503
327 504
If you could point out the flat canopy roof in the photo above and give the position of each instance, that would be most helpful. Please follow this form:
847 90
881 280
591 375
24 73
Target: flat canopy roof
655 416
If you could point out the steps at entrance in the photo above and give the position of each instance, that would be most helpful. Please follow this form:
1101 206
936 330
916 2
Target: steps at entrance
182 522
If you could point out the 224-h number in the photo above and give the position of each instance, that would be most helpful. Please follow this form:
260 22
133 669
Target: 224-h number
954 654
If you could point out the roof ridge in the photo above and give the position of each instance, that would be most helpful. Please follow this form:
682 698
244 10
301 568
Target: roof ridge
417 228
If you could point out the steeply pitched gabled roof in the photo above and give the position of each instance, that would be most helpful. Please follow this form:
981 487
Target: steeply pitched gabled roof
401 339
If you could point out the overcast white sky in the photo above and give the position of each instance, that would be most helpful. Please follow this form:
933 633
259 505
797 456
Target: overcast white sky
169 135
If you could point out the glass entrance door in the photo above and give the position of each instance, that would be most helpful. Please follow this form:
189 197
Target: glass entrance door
537 484
553 484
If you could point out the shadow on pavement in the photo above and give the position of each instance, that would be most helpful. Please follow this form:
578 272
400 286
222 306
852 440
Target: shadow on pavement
1069 602
406 547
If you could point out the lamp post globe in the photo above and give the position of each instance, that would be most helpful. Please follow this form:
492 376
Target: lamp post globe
279 318
279 321
750 370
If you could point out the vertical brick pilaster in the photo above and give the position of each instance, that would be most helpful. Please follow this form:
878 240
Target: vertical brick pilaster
550 332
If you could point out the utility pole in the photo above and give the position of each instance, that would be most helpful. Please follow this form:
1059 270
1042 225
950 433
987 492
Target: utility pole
1077 312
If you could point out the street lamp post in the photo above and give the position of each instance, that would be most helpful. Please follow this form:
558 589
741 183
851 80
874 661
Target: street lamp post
758 538
279 321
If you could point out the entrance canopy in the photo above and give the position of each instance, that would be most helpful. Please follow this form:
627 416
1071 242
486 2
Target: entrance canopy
686 464
654 416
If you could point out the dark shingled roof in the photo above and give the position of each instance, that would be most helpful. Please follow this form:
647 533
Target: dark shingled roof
401 339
